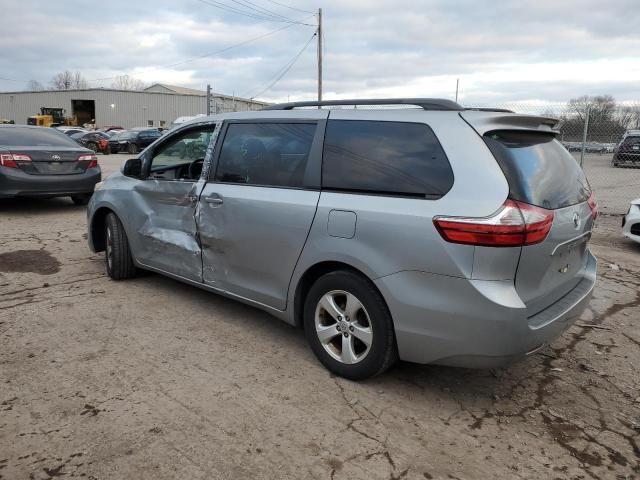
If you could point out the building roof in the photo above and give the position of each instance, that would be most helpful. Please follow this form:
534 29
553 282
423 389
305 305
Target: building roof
164 88
175 89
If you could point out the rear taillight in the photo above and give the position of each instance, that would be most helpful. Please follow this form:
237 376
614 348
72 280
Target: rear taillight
515 224
593 205
9 159
91 158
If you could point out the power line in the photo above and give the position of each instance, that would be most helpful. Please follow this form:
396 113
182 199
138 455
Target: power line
204 55
255 14
283 71
287 6
261 10
13 80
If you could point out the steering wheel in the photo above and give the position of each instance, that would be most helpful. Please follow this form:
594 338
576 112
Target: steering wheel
193 171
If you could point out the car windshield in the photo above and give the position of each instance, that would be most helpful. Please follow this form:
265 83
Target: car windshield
34 137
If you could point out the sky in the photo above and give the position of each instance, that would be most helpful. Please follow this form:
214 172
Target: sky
542 51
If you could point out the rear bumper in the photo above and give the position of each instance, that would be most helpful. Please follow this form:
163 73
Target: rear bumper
16 183
627 157
474 323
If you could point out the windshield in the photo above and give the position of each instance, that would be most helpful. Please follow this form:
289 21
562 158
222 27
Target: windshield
539 169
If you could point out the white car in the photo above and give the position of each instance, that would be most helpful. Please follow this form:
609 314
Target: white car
631 221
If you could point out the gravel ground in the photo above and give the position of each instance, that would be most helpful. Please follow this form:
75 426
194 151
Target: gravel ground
152 379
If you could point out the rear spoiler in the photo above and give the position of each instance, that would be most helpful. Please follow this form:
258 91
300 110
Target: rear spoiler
487 121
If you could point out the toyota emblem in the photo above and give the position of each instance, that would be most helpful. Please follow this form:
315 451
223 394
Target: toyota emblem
55 158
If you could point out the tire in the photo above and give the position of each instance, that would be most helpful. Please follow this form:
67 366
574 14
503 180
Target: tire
107 150
132 148
372 321
81 199
118 259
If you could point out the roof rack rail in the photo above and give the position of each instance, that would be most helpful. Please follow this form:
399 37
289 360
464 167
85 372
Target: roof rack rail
489 109
425 103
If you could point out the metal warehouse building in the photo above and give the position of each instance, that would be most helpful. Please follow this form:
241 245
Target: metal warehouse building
156 106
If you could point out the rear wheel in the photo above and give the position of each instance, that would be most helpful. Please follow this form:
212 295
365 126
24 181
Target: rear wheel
132 148
118 257
348 326
81 199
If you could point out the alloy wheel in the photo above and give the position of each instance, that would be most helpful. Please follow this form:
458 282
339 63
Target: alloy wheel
343 326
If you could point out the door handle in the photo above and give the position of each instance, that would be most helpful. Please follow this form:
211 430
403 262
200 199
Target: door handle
213 200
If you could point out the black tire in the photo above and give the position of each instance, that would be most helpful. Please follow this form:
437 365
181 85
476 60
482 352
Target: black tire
107 150
132 148
81 199
382 353
118 257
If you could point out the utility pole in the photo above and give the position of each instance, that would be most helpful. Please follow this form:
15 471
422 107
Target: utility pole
457 84
208 99
584 135
319 33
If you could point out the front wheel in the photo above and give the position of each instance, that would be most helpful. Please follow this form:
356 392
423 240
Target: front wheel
349 327
118 257
132 148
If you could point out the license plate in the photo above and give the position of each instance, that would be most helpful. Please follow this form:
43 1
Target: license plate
56 166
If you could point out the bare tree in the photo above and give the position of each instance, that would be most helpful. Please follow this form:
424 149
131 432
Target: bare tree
629 116
68 81
34 86
602 108
606 123
125 82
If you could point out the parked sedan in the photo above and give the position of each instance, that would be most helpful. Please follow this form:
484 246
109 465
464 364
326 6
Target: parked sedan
133 141
96 141
72 130
43 162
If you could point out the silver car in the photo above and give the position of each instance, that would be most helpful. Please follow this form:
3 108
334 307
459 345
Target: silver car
429 233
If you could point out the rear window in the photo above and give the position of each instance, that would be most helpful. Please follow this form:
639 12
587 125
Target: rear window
539 169
150 133
392 158
631 141
34 137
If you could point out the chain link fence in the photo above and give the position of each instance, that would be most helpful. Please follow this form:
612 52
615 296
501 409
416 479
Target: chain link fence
604 137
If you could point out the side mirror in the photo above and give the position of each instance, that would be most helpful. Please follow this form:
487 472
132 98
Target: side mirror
132 168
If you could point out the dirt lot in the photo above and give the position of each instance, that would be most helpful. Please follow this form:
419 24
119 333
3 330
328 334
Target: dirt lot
152 379
614 187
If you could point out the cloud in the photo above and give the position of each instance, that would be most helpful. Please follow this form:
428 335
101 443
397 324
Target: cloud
502 51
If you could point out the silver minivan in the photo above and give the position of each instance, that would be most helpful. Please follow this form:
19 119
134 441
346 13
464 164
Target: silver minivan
421 231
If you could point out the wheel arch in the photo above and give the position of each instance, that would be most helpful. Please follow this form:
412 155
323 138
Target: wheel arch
97 233
313 273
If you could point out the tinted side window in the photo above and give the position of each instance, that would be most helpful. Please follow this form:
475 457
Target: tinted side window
385 157
269 154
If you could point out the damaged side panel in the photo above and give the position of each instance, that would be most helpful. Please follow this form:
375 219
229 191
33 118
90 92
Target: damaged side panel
167 235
